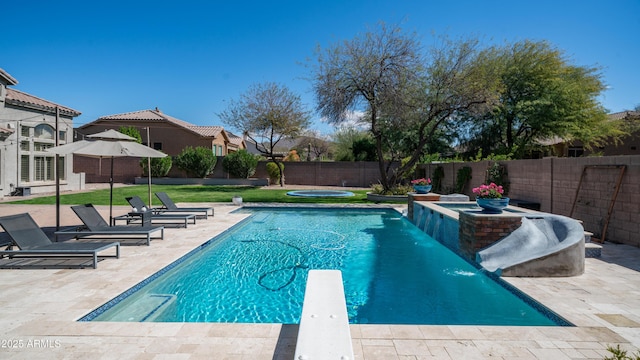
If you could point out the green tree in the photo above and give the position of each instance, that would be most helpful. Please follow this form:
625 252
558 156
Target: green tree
343 140
241 164
364 149
267 113
131 131
198 162
384 74
542 96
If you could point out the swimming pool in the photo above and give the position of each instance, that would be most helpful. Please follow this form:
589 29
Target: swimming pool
393 274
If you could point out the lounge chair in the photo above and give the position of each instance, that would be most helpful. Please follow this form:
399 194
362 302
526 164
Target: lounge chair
94 224
139 206
168 206
34 243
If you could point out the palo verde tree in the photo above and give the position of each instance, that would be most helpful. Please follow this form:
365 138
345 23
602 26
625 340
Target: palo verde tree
267 113
384 74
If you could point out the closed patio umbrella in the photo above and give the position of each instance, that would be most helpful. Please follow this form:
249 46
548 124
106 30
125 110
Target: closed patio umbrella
108 144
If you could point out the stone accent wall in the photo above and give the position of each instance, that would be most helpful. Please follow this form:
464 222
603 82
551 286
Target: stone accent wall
478 230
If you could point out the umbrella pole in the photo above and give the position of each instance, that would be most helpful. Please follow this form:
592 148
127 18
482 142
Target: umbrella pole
111 195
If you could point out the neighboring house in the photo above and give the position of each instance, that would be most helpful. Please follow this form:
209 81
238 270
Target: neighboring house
165 133
629 145
27 129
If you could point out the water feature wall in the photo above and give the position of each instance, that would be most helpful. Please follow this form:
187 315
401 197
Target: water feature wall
468 231
441 224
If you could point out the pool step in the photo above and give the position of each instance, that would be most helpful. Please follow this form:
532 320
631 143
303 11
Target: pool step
591 249
148 308
324 324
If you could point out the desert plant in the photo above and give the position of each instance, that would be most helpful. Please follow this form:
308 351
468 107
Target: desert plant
619 354
241 164
497 173
273 172
198 162
159 166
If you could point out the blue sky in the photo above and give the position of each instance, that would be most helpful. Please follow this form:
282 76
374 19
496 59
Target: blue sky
188 58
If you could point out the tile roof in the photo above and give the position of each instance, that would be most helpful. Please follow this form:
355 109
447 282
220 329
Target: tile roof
623 115
157 115
22 99
10 80
4 130
234 139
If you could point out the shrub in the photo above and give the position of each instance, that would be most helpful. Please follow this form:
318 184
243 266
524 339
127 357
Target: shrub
462 179
240 164
396 190
159 166
292 156
198 162
274 174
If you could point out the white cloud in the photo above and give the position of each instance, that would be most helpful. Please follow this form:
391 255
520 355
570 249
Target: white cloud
353 119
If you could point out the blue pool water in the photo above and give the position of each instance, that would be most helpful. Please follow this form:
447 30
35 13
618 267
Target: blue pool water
393 274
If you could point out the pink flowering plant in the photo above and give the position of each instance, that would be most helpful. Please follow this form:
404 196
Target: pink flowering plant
491 191
421 182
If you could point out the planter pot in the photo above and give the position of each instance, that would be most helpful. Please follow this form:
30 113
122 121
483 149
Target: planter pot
422 189
493 206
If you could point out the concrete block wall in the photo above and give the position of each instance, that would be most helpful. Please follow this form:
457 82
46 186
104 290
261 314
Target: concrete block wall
553 182
349 174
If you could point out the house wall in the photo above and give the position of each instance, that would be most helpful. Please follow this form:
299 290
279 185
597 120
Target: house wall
12 117
173 138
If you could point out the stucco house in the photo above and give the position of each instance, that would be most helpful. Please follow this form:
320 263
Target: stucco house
28 126
628 145
165 133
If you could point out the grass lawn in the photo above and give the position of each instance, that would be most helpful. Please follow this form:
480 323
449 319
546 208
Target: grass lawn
192 193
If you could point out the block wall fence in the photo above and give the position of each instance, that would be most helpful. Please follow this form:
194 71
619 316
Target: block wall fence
552 182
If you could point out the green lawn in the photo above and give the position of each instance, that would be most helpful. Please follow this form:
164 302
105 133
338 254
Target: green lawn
192 193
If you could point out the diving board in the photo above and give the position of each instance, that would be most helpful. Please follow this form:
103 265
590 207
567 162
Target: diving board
324 325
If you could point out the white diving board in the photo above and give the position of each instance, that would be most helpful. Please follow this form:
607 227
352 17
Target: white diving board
324 325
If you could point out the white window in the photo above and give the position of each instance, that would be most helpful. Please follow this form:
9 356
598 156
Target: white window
43 168
44 131
24 168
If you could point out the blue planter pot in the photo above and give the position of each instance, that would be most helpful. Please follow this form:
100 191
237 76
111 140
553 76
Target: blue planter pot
493 206
422 189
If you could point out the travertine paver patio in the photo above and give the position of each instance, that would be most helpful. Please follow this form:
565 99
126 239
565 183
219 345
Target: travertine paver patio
39 309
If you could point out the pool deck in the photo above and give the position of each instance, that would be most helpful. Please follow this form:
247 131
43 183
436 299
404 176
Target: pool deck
39 309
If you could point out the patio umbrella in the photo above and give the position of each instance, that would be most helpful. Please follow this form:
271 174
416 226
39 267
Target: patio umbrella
108 144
